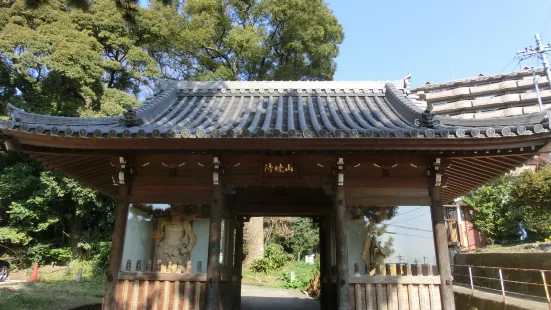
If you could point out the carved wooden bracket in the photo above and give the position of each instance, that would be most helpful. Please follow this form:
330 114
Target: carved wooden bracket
437 173
340 172
122 170
216 167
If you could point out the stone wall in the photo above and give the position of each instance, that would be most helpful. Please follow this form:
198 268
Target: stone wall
537 261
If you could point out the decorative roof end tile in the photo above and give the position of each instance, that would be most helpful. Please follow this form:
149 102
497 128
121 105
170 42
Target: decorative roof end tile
130 117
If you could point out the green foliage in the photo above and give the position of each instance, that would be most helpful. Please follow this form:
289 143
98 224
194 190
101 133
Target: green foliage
101 258
90 58
495 214
298 235
303 274
501 205
274 258
42 253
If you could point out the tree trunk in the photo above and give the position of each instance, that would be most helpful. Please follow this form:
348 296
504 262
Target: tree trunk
76 235
254 238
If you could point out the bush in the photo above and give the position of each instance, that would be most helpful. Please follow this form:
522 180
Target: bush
274 258
298 283
43 254
101 258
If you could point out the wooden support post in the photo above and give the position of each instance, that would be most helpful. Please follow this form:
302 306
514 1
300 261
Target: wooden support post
229 262
441 238
117 241
213 267
238 264
341 238
325 290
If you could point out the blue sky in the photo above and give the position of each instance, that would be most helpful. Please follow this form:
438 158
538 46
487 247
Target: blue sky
387 39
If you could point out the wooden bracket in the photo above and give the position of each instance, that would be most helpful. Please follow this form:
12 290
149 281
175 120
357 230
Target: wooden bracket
437 173
216 167
122 171
340 172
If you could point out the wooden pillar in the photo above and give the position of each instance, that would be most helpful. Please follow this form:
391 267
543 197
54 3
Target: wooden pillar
341 239
229 263
325 263
117 240
238 264
441 239
213 268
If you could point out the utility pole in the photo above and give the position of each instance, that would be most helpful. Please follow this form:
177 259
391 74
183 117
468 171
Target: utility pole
424 260
400 258
540 53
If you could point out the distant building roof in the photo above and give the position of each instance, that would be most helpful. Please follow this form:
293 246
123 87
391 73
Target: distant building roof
487 96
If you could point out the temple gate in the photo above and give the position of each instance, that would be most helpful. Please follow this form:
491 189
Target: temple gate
199 158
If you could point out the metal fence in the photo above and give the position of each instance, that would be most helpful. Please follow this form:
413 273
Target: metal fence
488 278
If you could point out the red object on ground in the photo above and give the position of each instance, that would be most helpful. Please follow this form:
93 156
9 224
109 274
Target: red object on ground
34 274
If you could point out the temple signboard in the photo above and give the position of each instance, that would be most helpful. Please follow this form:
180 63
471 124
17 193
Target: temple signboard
278 167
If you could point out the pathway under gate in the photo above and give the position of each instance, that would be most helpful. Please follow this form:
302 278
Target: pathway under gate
267 298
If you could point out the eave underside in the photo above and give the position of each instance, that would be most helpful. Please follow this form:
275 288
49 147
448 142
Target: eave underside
372 178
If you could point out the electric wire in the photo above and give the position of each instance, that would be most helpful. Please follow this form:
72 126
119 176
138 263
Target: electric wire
395 233
546 22
419 229
409 219
407 212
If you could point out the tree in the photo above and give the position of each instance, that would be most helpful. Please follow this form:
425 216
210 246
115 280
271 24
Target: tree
90 58
374 228
505 203
531 194
495 215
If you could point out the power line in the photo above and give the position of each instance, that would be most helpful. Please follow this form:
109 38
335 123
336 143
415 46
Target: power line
395 233
408 212
409 219
546 22
410 228
539 52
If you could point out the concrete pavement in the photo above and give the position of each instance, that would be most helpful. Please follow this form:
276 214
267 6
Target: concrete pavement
267 298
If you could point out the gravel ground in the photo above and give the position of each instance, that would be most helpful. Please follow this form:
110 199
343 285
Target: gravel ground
266 298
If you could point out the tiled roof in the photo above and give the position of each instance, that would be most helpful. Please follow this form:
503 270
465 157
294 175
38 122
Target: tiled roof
278 109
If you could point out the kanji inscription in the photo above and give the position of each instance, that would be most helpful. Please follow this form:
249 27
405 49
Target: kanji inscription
278 169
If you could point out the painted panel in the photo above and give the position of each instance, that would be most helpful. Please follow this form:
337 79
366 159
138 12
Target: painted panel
200 251
138 240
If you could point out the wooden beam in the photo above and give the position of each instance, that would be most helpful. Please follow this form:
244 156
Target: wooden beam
498 163
467 175
213 268
479 164
119 231
79 163
462 174
464 182
482 174
459 186
514 161
281 210
48 143
441 244
341 242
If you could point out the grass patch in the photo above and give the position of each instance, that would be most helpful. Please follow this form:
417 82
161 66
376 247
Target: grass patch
281 278
42 295
57 288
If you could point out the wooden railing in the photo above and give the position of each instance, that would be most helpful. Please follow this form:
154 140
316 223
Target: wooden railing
173 288
396 286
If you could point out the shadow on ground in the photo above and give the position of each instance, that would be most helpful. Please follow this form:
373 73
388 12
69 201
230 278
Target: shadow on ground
278 303
266 298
